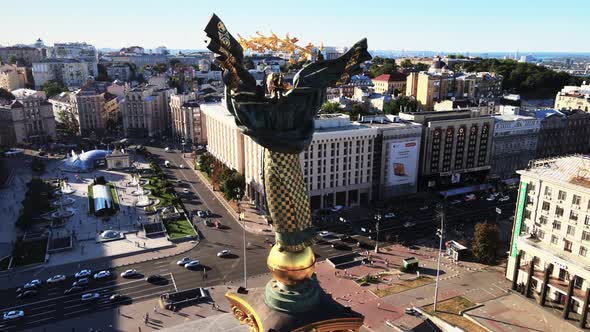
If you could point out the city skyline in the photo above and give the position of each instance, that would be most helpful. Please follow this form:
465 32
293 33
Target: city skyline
426 25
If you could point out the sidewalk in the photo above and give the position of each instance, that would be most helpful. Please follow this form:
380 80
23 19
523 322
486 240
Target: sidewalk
252 221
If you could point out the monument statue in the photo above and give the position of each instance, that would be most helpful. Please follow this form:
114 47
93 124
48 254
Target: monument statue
282 121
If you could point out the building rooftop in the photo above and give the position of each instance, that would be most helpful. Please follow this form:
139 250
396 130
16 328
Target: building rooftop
574 169
512 117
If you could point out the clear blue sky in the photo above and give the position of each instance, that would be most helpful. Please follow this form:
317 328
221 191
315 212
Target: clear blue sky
452 25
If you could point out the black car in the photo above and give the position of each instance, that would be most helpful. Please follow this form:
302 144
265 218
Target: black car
154 278
348 239
116 297
340 246
26 294
73 290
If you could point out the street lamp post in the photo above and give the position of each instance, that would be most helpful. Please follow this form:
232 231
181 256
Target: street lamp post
238 196
440 234
378 219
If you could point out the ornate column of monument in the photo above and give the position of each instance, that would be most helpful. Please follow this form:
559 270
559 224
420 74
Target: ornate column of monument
281 119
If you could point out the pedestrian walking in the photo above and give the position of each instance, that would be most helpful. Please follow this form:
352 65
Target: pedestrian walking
155 309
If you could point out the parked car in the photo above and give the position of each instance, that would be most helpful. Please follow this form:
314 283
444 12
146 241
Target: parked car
90 296
224 253
82 274
102 274
14 314
26 294
201 214
191 264
32 284
74 289
183 261
56 279
154 278
340 246
348 239
129 273
80 282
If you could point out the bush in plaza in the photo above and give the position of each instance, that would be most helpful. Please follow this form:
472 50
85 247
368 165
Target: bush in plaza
485 243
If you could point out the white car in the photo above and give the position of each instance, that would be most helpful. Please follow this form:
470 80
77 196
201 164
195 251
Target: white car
192 263
129 273
183 261
201 214
223 253
324 234
90 296
83 273
56 279
167 149
32 284
181 166
102 274
14 314
186 191
504 198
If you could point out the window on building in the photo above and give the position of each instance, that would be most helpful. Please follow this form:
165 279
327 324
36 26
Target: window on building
548 191
527 214
578 282
583 251
576 200
571 230
546 206
558 211
585 236
554 239
556 225
574 215
567 245
543 220
540 234
587 220
562 195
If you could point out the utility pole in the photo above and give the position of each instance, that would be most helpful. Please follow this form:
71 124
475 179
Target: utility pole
238 196
378 219
440 233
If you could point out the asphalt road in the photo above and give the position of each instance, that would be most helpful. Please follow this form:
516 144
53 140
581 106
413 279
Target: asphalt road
51 304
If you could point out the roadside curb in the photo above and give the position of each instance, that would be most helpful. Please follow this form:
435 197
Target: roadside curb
160 257
224 203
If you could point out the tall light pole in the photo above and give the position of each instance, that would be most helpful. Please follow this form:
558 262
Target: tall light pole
440 233
378 219
238 196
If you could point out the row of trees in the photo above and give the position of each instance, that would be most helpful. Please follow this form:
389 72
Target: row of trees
528 79
228 181
387 66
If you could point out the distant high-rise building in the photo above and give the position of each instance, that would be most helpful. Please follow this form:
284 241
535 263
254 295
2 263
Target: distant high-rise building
146 111
79 51
71 73
187 121
23 54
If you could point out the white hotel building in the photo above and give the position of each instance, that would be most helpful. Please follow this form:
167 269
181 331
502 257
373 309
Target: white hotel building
339 167
549 255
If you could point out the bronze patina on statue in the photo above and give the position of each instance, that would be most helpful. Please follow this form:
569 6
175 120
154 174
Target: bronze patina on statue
282 121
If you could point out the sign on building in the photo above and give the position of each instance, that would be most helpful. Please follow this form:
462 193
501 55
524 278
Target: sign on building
403 157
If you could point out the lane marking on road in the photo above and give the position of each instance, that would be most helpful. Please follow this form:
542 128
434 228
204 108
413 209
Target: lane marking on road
160 262
75 312
66 296
42 313
38 320
42 307
173 282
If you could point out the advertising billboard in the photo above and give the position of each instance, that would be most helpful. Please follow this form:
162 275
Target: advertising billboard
403 158
518 221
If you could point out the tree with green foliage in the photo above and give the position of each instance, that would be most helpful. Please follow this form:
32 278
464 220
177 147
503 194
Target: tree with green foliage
160 68
174 62
485 243
52 88
330 108
406 64
66 123
206 163
399 104
357 110
5 94
387 67
12 60
233 183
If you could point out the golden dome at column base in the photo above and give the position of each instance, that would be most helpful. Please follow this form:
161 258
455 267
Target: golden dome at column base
290 268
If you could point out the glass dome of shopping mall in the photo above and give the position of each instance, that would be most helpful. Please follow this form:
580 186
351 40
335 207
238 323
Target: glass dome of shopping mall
85 161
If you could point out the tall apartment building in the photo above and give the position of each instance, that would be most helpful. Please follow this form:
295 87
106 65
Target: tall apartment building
574 98
456 145
118 71
28 119
563 132
440 83
187 122
146 111
549 253
79 51
70 72
514 143
12 77
24 54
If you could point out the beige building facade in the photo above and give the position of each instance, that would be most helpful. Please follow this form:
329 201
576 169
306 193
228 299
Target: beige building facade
574 98
146 111
225 141
187 124
27 120
549 256
12 77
